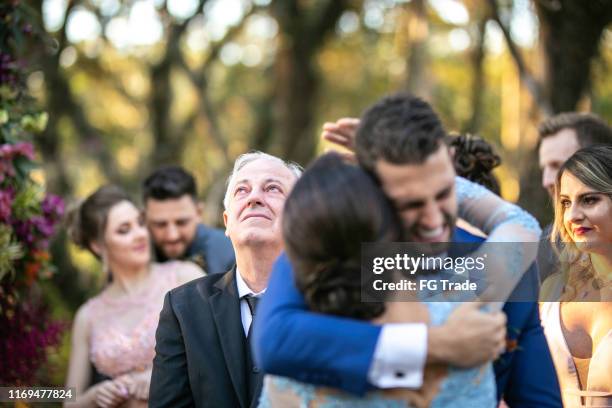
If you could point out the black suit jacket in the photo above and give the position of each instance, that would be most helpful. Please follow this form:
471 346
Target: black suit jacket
201 356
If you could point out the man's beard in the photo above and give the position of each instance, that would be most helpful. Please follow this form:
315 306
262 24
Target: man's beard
174 252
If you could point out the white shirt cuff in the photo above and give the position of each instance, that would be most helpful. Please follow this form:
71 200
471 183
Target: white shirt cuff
399 357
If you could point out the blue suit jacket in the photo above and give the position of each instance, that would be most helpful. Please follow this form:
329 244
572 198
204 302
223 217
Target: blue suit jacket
337 352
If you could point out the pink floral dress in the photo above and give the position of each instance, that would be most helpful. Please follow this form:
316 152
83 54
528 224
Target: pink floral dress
122 331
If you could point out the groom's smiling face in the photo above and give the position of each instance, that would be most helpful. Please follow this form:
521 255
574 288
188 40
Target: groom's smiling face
423 195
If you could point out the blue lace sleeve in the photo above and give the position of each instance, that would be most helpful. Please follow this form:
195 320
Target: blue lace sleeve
512 236
487 211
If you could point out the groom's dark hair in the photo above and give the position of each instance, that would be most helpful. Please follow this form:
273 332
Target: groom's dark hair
400 129
167 183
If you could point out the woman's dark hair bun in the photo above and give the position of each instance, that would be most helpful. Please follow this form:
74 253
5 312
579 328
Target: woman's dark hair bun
475 160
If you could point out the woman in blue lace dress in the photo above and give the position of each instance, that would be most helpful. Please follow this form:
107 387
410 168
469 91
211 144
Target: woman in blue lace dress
332 210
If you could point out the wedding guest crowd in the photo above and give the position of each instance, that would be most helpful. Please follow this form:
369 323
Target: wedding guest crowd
269 312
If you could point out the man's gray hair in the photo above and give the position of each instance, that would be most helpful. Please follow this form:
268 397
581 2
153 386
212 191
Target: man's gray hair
249 157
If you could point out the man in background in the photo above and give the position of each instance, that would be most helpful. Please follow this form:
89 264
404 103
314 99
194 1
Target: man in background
173 216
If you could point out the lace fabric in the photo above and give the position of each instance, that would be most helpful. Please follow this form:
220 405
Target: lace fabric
118 345
502 222
455 388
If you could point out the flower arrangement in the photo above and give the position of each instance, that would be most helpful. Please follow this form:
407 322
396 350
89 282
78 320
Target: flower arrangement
28 215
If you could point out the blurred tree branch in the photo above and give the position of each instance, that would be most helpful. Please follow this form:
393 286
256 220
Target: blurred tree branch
168 144
198 78
532 85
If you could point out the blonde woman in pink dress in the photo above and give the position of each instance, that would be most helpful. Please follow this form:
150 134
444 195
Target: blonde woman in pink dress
115 330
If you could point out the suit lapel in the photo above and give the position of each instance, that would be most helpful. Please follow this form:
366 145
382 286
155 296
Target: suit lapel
225 306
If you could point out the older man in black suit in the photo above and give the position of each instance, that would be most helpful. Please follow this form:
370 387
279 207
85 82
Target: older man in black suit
203 356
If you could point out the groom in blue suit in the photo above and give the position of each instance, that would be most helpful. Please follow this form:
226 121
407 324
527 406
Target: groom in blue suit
401 141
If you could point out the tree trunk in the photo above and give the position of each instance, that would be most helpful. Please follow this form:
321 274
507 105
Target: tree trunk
296 95
478 77
302 34
571 31
416 81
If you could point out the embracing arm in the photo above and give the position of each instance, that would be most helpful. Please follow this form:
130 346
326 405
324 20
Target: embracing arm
169 380
513 234
291 341
501 220
326 350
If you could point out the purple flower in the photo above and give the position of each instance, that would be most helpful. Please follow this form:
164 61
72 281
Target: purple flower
44 225
52 207
25 149
6 150
26 335
6 201
9 151
6 169
24 231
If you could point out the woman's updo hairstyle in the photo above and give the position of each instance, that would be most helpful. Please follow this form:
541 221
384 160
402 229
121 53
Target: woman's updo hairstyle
87 220
475 159
334 208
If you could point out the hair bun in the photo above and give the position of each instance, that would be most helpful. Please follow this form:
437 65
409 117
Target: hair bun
473 153
475 159
333 289
73 222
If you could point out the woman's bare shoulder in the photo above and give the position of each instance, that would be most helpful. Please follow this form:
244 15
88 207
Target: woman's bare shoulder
183 271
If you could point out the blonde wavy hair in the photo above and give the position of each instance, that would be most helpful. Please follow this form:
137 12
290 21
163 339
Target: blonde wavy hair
593 167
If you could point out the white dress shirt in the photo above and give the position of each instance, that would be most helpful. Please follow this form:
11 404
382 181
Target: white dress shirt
399 357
